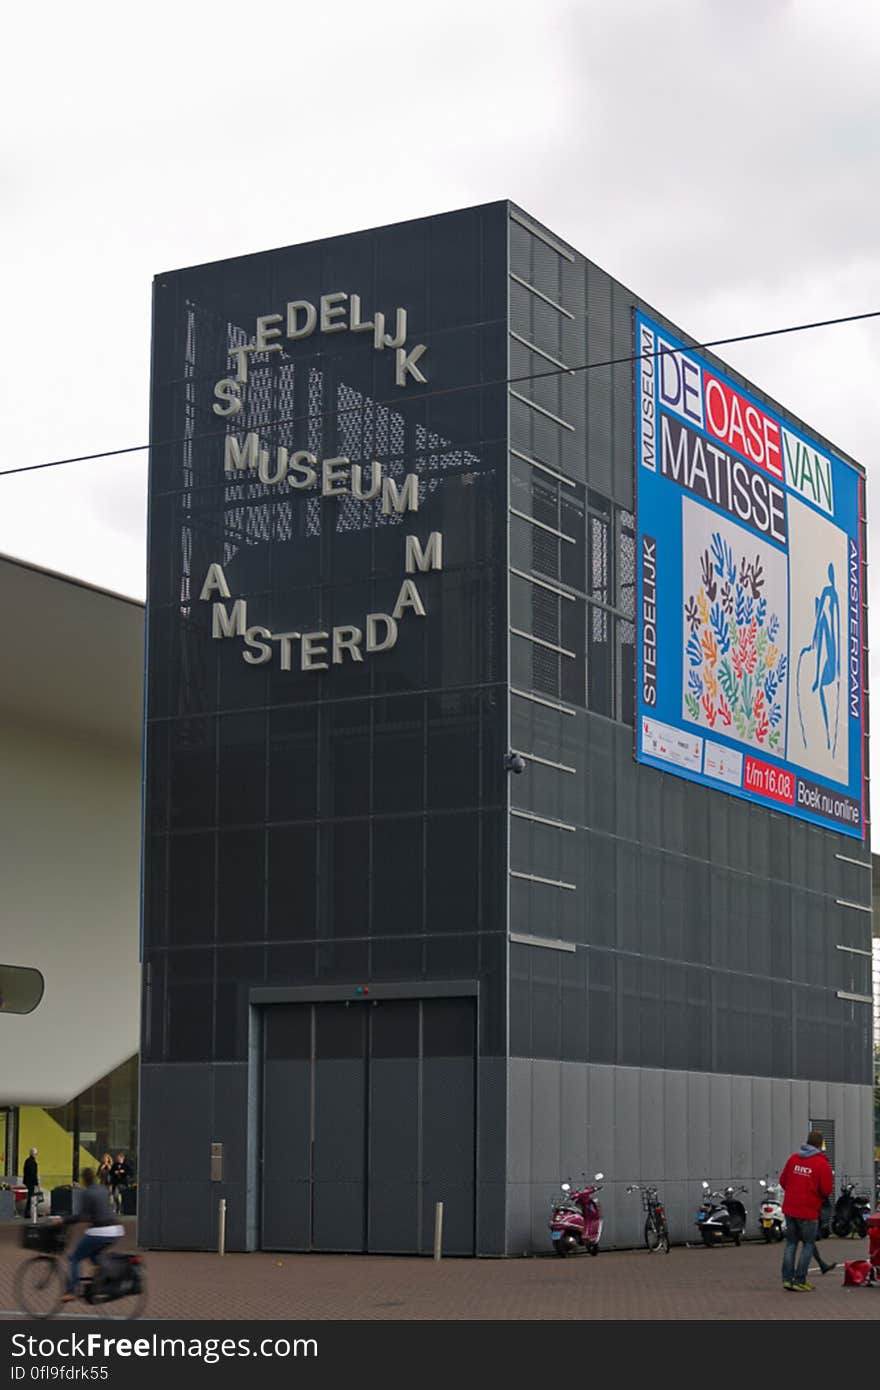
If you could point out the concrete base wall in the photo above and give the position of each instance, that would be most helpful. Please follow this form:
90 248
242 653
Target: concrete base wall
186 1108
666 1127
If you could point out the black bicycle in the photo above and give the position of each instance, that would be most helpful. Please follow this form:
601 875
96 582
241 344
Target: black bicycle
117 1289
656 1227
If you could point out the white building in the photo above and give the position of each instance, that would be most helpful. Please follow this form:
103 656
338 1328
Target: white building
70 770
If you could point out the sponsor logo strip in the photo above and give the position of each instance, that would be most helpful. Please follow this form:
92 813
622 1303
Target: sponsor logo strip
724 764
671 745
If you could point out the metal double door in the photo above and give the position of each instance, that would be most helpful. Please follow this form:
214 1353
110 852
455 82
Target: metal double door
368 1120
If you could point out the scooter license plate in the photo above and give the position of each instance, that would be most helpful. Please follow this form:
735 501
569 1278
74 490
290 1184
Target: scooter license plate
556 1234
765 1222
701 1216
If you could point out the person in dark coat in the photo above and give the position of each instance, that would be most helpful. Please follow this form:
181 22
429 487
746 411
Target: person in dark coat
120 1177
31 1178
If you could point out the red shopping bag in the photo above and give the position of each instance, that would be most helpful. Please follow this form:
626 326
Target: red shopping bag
856 1273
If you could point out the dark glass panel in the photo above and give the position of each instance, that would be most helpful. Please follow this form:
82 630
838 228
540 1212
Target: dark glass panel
345 865
241 879
193 762
398 754
452 881
397 876
292 882
394 1028
242 793
340 1030
293 762
448 1027
190 888
288 1031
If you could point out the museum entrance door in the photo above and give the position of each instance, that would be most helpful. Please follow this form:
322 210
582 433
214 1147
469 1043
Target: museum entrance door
368 1120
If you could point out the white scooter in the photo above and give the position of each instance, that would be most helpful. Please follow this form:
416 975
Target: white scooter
771 1219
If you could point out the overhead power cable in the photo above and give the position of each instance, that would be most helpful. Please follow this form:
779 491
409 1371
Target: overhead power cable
629 359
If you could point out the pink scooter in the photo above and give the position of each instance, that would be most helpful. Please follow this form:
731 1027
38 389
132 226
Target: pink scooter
576 1223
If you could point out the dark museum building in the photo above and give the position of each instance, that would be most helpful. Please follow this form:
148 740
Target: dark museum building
394 539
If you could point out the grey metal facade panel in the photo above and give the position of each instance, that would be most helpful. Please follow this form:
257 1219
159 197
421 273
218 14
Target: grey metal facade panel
393 1216
176 1119
519 1219
339 1121
394 1120
491 1218
725 1129
187 1219
699 1144
651 1107
742 898
627 1108
600 1150
519 1134
675 1122
742 1156
286 1145
492 1124
229 1104
546 1121
286 1217
574 1113
338 1216
447 1106
760 1126
720 1128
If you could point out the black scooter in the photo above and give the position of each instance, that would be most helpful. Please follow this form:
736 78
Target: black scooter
851 1211
721 1216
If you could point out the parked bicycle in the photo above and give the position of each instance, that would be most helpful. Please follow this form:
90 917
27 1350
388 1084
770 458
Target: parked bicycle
656 1226
117 1289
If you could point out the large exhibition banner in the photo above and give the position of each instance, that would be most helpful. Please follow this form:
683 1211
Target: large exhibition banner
750 643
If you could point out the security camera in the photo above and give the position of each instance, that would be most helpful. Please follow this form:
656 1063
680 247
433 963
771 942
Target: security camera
514 762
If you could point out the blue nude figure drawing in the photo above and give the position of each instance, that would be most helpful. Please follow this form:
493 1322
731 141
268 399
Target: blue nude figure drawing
825 644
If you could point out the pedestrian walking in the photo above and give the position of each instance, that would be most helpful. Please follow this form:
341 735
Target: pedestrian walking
31 1178
120 1176
808 1181
823 1232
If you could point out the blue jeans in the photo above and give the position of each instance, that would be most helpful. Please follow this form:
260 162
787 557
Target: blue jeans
798 1230
87 1248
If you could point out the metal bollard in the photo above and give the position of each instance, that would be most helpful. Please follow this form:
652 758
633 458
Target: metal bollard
221 1227
438 1229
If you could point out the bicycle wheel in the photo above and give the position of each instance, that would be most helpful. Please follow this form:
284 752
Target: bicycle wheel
39 1286
664 1237
109 1304
652 1233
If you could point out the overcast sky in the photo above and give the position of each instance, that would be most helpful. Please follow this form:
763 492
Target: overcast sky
720 158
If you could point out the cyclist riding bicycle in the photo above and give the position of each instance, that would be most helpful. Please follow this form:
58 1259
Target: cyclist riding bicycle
101 1232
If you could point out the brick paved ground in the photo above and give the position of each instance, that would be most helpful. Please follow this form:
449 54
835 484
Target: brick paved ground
688 1283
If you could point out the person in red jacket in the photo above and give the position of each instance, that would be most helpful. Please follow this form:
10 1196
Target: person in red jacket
808 1182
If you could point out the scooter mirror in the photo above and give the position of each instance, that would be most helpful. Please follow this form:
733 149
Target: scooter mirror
705 1186
566 1186
762 1182
599 1177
